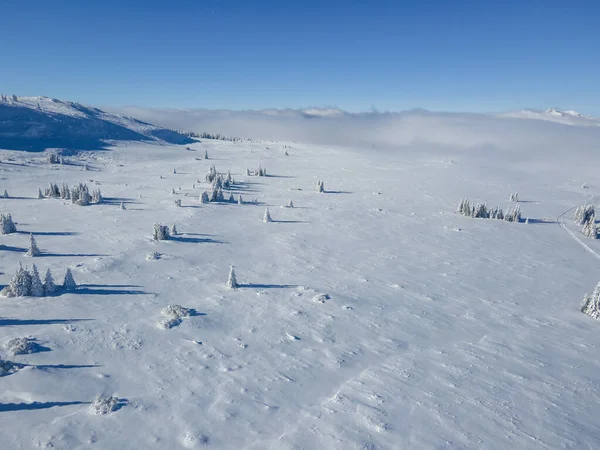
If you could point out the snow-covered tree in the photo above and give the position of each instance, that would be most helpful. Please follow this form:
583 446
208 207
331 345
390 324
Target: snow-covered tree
231 198
33 249
267 216
178 203
40 195
37 289
160 233
513 214
583 214
240 200
96 196
320 187
49 286
204 197
123 205
7 226
591 303
514 197
5 195
69 282
19 285
174 171
286 153
290 204
206 154
590 229
174 230
232 281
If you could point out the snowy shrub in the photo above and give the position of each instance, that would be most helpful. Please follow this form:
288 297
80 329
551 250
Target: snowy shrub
591 304
69 283
20 346
7 226
583 214
321 298
33 250
153 256
259 172
104 405
173 315
160 232
178 203
8 367
232 280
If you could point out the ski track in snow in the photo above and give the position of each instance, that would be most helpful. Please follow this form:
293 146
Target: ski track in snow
573 236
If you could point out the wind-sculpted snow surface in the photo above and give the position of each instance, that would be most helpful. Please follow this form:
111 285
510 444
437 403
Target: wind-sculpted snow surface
368 316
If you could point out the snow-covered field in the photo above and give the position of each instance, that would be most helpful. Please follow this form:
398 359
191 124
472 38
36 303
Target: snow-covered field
371 316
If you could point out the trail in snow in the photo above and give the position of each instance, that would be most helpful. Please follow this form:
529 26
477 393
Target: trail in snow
570 233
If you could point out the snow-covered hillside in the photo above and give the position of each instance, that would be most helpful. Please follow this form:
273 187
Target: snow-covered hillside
38 123
369 316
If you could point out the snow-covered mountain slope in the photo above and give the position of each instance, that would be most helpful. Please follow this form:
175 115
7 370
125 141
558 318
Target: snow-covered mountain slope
38 123
370 316
555 115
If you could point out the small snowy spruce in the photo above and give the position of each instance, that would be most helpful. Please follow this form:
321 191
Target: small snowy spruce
267 216
69 282
37 288
49 286
232 281
33 250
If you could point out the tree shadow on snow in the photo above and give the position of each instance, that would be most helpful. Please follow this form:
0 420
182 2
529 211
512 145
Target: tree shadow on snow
18 198
9 248
337 192
8 407
192 240
49 367
83 289
74 255
290 221
49 233
542 221
18 322
266 286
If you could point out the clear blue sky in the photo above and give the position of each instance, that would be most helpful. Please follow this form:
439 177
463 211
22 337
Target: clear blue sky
241 54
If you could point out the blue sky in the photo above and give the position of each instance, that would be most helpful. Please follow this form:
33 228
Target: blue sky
238 54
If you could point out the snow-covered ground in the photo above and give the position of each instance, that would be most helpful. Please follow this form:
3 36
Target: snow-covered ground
370 316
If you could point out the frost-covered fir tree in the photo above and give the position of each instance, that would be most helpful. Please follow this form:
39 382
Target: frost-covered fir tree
204 197
231 198
220 195
173 230
123 205
173 191
205 154
178 203
96 196
590 229
232 281
7 226
290 204
240 200
267 216
174 171
69 282
591 303
514 197
40 195
19 285
513 214
583 214
5 195
33 249
49 286
37 289
320 187
160 232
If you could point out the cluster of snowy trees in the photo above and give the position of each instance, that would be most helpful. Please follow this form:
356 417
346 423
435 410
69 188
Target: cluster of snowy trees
54 158
25 283
79 195
258 172
320 187
514 197
591 303
217 136
7 226
4 98
585 215
161 232
481 211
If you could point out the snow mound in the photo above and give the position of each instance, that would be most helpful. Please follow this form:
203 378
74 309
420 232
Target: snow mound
173 315
105 405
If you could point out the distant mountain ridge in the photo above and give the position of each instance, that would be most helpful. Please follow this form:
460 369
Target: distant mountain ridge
38 123
567 117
